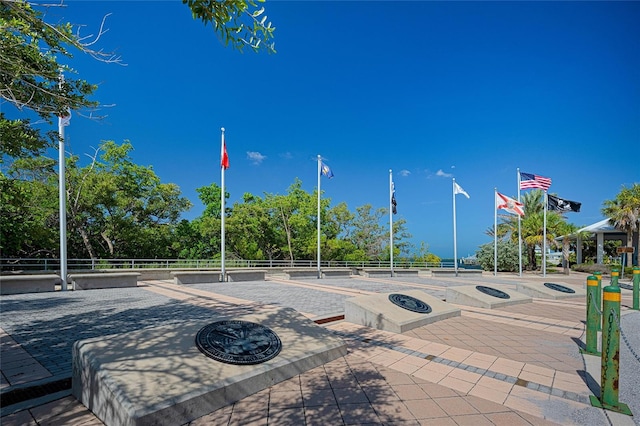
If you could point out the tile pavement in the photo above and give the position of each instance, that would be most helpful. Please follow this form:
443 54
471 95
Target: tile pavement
515 365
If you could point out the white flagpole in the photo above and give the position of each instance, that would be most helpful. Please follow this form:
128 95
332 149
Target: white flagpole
544 238
455 243
495 233
519 229
222 202
62 199
319 173
391 220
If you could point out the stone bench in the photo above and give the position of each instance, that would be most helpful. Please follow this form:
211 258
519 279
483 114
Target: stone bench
375 272
406 272
336 272
196 277
97 280
301 273
452 271
386 272
30 283
246 275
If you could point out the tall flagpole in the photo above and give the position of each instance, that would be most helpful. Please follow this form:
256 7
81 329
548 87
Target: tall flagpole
495 233
519 229
544 238
222 210
319 173
391 219
455 243
62 198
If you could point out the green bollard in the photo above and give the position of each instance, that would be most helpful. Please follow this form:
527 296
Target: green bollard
615 274
610 379
636 288
593 318
599 296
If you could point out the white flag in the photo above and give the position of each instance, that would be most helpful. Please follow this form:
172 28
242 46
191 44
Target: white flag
65 120
457 189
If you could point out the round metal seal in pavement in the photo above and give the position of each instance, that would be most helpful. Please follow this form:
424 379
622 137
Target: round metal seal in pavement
559 287
238 342
493 292
409 303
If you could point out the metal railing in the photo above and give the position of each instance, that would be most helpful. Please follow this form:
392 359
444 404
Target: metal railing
36 264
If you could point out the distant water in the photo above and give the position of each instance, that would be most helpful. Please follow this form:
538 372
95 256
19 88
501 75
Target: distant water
449 261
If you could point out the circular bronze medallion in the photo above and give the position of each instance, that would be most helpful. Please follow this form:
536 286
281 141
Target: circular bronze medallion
558 287
409 303
493 292
238 342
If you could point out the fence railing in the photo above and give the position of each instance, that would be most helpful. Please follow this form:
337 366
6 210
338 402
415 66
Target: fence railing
35 264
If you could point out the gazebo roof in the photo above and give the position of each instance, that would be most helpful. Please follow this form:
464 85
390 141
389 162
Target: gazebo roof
603 226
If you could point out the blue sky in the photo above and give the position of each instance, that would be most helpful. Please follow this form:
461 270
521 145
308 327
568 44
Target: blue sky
431 90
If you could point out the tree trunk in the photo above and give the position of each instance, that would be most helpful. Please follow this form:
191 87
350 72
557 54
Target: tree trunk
287 231
87 243
630 244
565 256
106 238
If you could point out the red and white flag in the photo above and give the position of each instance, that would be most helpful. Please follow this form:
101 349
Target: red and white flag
509 204
224 157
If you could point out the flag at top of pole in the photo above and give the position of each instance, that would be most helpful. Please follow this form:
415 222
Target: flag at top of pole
65 120
224 157
325 170
457 189
509 204
528 181
394 203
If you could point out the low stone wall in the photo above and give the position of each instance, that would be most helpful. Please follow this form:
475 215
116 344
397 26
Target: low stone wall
246 275
336 272
196 277
374 272
97 280
30 283
301 273
451 271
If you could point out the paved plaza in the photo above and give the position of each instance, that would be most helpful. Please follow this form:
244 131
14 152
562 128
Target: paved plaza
515 365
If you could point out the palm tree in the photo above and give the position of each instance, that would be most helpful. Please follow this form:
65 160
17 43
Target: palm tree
624 214
569 231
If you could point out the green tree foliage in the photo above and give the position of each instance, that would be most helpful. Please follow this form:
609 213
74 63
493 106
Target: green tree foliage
116 208
424 255
507 256
121 209
239 23
30 69
34 52
624 213
28 209
284 227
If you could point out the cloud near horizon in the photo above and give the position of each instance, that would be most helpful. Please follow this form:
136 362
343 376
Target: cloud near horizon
255 157
443 174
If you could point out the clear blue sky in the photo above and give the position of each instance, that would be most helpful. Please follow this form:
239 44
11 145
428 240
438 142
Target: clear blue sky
431 90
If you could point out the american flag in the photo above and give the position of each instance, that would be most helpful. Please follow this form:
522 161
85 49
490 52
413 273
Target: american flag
528 181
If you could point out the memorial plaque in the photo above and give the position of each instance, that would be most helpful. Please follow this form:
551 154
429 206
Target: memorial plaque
238 342
409 303
492 292
558 287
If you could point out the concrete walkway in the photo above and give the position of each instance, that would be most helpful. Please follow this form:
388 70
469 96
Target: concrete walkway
517 365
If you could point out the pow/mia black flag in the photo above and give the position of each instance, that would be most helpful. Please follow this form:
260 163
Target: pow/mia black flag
562 206
394 204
